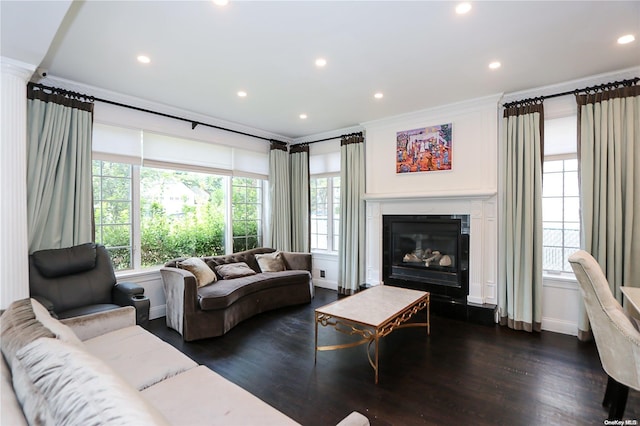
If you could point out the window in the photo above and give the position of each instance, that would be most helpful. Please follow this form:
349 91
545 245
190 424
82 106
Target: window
325 213
246 213
112 183
181 213
560 213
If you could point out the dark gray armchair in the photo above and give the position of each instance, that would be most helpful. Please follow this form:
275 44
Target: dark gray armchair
79 280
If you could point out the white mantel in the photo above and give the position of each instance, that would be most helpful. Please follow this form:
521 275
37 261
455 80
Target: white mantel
482 240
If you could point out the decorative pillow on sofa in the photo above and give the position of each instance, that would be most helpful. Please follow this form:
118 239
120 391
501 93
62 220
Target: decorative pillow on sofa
204 275
271 262
80 389
234 270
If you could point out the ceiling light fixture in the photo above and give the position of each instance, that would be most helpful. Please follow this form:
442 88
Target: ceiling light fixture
626 39
242 94
303 116
321 62
144 59
495 65
221 2
463 8
378 95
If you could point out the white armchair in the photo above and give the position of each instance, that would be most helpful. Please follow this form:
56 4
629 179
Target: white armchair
617 339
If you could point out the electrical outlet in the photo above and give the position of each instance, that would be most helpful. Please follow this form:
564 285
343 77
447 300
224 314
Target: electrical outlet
322 273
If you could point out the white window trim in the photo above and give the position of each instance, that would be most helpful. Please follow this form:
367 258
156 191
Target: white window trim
331 251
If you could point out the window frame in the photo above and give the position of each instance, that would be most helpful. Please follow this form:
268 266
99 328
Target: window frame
135 205
566 272
332 233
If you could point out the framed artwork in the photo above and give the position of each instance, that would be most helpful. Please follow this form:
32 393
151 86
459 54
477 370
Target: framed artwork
428 149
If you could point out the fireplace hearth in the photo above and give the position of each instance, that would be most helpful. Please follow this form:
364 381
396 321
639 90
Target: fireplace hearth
429 253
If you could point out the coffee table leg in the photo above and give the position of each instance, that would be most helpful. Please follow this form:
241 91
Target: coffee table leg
315 355
376 355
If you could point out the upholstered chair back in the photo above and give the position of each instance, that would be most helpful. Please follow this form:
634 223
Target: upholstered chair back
72 277
617 339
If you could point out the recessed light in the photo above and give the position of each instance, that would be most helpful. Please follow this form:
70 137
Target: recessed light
221 2
463 8
495 65
321 62
378 95
144 59
242 94
303 116
626 39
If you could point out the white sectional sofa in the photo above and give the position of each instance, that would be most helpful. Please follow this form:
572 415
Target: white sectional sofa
102 369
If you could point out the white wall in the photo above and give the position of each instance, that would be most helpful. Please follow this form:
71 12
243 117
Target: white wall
470 187
474 151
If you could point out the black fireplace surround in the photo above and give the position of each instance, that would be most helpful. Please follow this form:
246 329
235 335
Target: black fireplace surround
428 253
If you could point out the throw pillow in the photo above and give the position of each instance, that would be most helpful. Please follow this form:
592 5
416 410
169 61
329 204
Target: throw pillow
234 270
81 389
18 328
271 262
204 275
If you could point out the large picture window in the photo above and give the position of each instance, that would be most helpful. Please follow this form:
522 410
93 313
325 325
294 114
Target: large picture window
181 200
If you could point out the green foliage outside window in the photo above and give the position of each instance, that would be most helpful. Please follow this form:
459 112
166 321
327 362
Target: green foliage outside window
182 214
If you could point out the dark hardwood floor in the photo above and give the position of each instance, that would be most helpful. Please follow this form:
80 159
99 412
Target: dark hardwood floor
461 374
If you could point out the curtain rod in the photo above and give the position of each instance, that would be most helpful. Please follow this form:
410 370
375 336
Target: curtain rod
335 137
106 101
629 82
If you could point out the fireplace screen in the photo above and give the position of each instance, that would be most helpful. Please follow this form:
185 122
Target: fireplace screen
424 249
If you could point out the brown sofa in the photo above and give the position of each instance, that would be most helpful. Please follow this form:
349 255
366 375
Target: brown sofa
212 310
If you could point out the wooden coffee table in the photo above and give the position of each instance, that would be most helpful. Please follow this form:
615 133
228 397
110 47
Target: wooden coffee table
372 314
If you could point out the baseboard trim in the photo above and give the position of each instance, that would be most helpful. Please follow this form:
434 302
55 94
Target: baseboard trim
157 311
560 326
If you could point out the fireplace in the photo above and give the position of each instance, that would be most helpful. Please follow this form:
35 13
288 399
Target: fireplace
429 253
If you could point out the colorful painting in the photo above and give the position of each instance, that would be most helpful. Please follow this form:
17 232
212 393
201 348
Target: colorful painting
424 150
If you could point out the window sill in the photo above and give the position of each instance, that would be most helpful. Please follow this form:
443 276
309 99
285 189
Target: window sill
324 253
130 273
565 280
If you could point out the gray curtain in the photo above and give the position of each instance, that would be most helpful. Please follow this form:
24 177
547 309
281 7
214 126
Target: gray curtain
609 164
300 198
520 294
351 255
59 200
280 220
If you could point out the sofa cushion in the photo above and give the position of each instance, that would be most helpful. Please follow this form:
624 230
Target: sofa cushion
234 270
11 412
66 261
271 262
203 273
79 389
138 356
18 328
226 292
219 401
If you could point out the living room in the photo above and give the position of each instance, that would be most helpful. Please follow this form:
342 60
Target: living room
473 185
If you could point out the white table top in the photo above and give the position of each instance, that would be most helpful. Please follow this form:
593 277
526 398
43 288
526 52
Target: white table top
373 306
632 294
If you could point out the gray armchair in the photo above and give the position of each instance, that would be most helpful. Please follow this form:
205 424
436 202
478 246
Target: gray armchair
617 339
80 280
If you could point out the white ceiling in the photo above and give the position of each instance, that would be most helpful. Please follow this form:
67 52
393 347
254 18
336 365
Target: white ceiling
420 54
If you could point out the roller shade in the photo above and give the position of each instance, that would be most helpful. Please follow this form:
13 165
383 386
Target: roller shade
324 157
119 144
